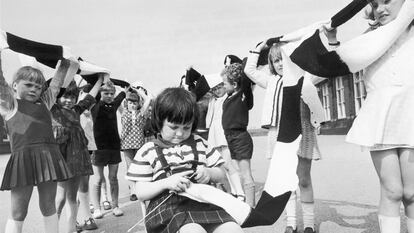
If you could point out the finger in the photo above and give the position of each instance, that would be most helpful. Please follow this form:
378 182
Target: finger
186 173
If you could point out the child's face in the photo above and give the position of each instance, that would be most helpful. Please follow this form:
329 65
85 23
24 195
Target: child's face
386 10
107 96
132 105
67 101
219 90
28 90
278 65
229 87
175 133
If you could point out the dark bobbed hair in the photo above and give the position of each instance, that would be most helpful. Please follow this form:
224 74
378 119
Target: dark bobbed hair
72 90
175 105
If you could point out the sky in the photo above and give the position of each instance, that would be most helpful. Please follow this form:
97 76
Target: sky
155 41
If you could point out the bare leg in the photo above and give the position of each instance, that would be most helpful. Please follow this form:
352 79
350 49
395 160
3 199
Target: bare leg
98 176
248 182
20 198
60 197
47 195
387 165
192 228
306 192
72 208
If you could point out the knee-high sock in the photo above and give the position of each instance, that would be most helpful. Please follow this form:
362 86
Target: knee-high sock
291 211
51 223
234 180
249 190
13 226
232 189
308 209
84 212
410 225
389 224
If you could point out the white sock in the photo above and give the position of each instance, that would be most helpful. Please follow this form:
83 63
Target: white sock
232 189
291 211
410 225
51 223
389 224
235 182
13 226
84 212
308 214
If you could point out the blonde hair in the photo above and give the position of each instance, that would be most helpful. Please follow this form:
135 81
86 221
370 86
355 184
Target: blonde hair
275 52
108 86
29 73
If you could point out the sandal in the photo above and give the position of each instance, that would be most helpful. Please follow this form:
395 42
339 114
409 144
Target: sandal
106 205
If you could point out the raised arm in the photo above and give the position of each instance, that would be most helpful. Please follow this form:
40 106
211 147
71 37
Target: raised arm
66 70
259 77
146 98
7 100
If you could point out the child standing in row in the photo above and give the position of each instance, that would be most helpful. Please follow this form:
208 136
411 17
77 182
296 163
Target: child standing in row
235 120
165 165
84 214
73 146
108 144
217 140
272 81
35 159
133 118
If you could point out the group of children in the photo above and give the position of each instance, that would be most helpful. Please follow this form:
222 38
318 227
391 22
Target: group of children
61 136
57 141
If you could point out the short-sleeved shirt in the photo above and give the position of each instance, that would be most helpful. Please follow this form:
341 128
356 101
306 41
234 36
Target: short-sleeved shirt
146 166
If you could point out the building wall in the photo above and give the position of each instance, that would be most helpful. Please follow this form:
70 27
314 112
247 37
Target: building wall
336 124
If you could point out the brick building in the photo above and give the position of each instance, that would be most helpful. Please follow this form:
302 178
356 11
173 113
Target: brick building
341 99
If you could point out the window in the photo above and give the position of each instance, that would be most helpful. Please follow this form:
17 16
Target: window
359 90
340 97
325 101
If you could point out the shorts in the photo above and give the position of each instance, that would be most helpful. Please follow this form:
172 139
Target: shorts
106 157
240 144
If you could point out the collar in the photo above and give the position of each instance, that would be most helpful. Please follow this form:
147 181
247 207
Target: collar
159 141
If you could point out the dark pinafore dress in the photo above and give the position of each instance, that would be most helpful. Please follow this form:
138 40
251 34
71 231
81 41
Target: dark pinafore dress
178 210
35 156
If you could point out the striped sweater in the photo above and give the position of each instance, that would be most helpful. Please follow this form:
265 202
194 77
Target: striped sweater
147 167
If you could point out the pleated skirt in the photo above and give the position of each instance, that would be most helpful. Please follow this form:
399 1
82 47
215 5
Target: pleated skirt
35 164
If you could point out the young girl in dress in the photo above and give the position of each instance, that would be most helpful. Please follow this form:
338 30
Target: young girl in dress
105 129
384 124
272 81
86 222
216 139
73 146
133 118
166 165
35 158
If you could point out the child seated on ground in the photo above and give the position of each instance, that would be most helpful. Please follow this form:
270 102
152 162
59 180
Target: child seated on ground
171 162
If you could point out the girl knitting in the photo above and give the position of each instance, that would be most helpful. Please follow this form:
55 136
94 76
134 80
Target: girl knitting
73 146
133 119
35 159
272 81
165 165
